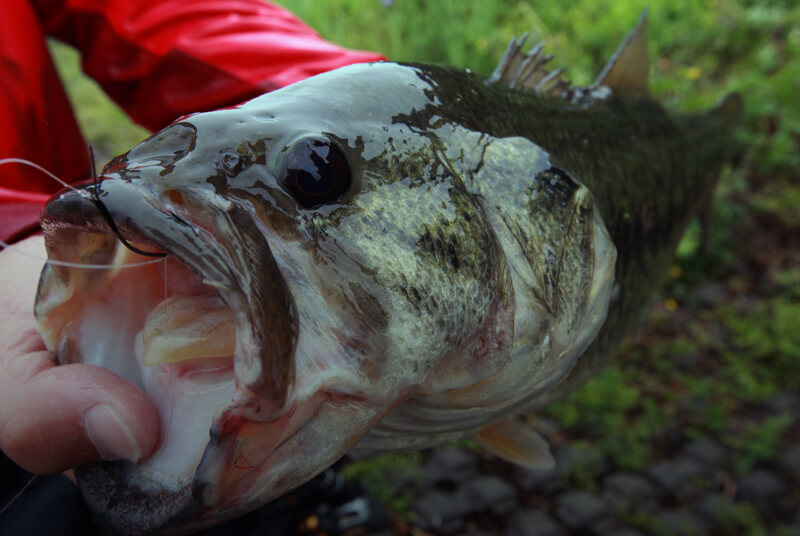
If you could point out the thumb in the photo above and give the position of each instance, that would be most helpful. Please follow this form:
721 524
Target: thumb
67 416
55 418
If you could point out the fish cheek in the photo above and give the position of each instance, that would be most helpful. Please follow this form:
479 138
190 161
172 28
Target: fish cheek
364 336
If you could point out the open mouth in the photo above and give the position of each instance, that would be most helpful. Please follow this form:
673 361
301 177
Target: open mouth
155 322
207 332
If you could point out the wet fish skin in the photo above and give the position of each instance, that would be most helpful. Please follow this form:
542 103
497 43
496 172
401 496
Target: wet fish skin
464 276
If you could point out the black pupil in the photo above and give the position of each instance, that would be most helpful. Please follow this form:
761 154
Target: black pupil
317 173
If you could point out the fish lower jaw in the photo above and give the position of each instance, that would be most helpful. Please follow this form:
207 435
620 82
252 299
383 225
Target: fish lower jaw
188 394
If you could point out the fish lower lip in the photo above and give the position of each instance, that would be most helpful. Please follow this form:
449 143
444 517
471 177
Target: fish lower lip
106 489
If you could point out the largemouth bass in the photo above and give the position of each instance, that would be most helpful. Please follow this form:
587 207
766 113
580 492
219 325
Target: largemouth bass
386 255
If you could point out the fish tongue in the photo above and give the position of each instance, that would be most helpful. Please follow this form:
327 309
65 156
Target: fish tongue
188 327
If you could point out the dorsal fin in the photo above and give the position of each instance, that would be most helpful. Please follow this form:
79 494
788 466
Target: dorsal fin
525 71
517 443
629 66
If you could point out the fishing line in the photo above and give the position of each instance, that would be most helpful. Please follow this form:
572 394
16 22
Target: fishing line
4 161
12 247
170 375
18 494
94 197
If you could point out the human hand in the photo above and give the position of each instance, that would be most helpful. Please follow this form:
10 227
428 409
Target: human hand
55 418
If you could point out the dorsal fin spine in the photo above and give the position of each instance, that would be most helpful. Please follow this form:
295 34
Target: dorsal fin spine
542 86
629 67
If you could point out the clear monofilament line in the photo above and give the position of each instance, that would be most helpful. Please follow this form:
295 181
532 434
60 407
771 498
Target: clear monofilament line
171 378
50 174
18 494
45 260
84 193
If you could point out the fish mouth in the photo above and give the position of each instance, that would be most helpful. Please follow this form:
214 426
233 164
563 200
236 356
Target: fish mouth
207 332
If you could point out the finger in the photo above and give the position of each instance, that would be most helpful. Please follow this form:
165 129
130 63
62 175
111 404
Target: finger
54 418
70 415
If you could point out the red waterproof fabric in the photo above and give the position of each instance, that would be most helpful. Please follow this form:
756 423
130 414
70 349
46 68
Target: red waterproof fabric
158 59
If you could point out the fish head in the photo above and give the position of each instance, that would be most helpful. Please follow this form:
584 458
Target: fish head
326 263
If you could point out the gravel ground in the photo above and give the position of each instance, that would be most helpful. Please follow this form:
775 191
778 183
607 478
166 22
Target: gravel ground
692 490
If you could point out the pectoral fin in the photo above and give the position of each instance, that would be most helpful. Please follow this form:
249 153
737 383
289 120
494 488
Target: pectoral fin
517 443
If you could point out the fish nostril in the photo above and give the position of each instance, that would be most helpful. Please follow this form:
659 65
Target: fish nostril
176 197
166 147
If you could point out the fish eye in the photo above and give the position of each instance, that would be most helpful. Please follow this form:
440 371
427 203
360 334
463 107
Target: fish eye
317 173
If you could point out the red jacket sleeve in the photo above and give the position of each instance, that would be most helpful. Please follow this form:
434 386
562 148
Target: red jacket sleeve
160 59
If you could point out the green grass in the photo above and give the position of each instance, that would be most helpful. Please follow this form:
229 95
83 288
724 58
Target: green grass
106 126
702 367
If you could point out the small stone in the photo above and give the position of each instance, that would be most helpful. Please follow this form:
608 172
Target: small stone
624 531
469 531
628 491
605 525
678 477
760 486
714 507
681 523
532 523
450 465
440 512
783 403
544 481
489 493
578 509
706 451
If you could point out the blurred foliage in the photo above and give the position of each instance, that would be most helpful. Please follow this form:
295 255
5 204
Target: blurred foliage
725 336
